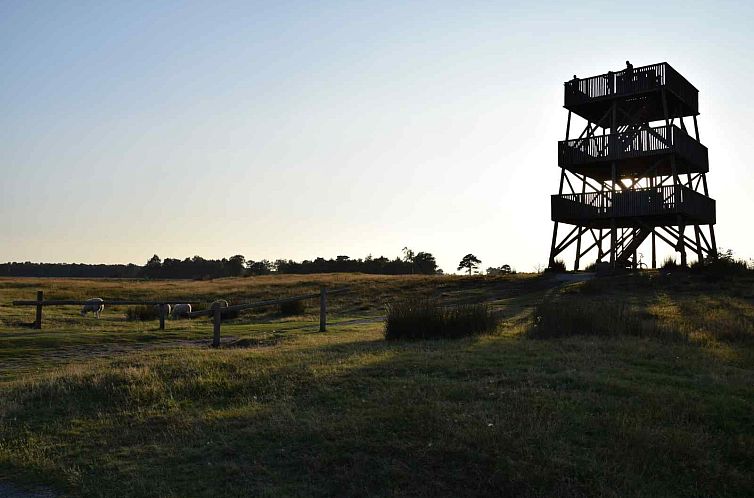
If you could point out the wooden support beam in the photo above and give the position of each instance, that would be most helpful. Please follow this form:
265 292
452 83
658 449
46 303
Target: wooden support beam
654 250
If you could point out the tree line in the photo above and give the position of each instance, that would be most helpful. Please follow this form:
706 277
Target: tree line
235 266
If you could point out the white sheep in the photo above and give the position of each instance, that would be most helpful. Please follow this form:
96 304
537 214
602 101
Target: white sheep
94 304
180 310
167 309
219 303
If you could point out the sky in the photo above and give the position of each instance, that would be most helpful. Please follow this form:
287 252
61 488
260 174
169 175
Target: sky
302 129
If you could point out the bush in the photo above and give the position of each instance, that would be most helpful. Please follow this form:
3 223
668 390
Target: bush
426 319
143 313
601 317
558 266
669 264
292 308
724 264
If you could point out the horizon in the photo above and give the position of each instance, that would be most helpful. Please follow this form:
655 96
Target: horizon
294 132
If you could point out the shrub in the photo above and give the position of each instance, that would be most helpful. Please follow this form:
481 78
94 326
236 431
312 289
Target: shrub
669 263
724 264
143 313
601 317
558 266
292 308
231 315
426 319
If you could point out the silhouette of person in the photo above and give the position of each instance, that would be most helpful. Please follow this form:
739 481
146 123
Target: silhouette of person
574 84
629 78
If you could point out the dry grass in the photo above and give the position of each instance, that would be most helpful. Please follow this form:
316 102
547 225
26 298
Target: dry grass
116 408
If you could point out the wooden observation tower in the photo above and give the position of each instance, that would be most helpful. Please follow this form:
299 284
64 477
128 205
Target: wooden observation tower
635 173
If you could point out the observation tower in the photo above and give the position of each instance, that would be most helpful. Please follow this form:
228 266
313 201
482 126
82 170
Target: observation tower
635 173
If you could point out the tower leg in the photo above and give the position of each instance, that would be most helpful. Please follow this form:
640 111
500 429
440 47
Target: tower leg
681 241
600 252
699 254
551 261
613 241
654 250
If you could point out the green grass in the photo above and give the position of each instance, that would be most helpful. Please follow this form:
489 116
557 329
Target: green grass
118 408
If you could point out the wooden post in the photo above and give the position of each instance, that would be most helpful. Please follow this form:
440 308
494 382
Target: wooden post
323 309
162 316
38 321
217 320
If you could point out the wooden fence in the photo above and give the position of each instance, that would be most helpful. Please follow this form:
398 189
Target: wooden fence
216 313
40 302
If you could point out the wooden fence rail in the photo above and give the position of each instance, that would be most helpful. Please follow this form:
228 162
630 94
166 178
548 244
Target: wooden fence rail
41 302
215 312
218 312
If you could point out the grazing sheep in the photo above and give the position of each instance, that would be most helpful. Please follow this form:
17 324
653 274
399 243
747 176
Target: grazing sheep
219 303
180 310
94 304
167 309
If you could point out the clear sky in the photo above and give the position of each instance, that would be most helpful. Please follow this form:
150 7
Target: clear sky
304 129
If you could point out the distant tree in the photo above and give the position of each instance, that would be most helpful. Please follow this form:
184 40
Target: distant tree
153 268
503 270
236 265
425 263
263 267
469 262
408 257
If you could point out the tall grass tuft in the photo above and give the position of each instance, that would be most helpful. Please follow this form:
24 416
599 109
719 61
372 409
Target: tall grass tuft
558 266
292 308
427 319
142 313
599 317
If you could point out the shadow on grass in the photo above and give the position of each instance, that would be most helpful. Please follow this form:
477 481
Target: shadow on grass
487 417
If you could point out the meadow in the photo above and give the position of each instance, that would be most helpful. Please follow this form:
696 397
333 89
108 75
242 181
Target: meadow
635 385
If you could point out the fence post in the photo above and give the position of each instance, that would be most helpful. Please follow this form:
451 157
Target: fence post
323 309
162 316
38 321
216 338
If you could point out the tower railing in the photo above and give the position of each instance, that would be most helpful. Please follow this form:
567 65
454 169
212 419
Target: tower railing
668 199
643 142
623 83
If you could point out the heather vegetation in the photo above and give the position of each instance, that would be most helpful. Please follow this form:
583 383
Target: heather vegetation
632 385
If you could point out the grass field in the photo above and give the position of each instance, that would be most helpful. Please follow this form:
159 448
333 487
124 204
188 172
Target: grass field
560 401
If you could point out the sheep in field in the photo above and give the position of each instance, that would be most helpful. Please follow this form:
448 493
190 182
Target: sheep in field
219 303
95 305
180 310
167 309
